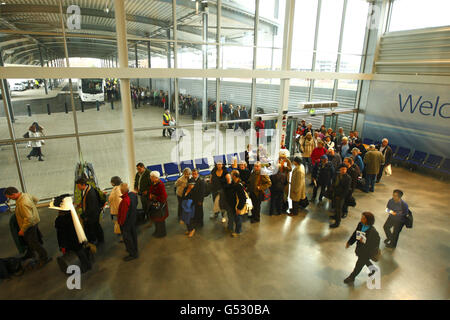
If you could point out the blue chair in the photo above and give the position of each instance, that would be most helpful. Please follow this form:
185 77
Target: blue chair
367 141
220 158
3 201
231 155
172 171
186 164
203 166
417 158
402 154
158 168
242 156
445 167
432 161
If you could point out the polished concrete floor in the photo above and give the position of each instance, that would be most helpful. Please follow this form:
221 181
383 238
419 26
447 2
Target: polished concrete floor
279 258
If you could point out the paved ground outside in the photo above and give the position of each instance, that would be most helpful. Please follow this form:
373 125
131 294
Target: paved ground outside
279 258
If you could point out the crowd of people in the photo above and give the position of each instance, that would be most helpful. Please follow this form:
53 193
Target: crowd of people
337 164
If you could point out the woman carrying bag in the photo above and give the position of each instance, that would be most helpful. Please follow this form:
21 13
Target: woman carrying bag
114 200
159 210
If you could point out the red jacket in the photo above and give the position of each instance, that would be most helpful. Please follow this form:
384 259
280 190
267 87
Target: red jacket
260 132
123 209
316 154
159 190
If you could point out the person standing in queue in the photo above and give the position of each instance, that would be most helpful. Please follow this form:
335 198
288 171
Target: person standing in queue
341 188
196 192
257 184
159 210
127 221
142 185
298 185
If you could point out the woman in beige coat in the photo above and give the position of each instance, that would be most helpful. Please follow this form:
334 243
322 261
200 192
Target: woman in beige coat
298 185
180 185
114 200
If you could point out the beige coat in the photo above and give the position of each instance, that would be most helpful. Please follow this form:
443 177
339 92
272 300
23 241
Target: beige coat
298 185
180 185
114 200
307 146
26 212
373 161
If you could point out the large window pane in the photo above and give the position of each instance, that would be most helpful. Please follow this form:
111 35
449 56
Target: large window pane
355 27
267 97
237 57
8 169
329 31
346 93
54 175
303 36
416 14
323 90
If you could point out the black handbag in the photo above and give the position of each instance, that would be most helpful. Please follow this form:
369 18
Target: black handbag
156 209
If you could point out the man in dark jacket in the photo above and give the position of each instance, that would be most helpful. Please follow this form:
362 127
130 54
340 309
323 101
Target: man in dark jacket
91 208
359 145
398 209
322 177
244 115
354 172
142 185
367 246
126 218
387 153
341 189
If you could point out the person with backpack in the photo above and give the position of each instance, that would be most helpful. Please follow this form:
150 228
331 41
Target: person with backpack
367 247
397 209
91 204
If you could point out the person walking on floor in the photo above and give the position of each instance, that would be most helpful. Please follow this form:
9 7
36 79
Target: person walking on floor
367 246
35 131
158 207
91 208
28 219
257 184
397 209
298 185
237 205
127 221
142 185
373 160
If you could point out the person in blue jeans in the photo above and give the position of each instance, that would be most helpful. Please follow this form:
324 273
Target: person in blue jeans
372 161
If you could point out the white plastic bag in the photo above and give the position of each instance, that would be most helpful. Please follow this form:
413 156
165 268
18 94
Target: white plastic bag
388 170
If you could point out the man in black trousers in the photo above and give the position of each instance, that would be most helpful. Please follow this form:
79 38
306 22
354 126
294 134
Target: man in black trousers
387 153
127 220
341 188
90 204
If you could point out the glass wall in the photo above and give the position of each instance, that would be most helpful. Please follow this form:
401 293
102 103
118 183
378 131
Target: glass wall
90 126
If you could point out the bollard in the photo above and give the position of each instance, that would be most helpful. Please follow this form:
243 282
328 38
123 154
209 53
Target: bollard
65 107
82 106
98 105
29 110
48 108
112 105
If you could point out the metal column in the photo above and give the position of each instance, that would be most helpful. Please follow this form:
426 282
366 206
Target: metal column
42 65
316 38
77 137
218 65
205 65
285 65
169 65
149 64
136 59
255 51
175 65
125 94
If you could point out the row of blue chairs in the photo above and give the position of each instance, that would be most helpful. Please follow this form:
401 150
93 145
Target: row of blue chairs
417 158
171 171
